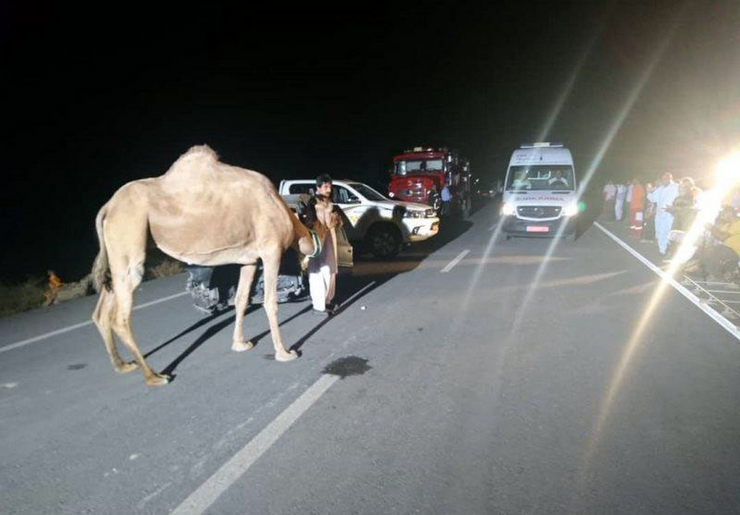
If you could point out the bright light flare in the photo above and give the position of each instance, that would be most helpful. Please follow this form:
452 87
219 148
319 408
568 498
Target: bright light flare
727 175
728 171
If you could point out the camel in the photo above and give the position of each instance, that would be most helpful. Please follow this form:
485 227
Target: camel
201 211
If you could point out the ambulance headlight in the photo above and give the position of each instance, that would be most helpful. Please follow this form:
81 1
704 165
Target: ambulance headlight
507 209
570 210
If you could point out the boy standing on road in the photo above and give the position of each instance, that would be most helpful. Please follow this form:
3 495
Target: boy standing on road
322 269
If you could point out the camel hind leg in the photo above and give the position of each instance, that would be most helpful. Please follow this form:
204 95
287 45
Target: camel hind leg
104 318
124 284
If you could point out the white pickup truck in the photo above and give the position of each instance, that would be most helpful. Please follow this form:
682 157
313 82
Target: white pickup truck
373 220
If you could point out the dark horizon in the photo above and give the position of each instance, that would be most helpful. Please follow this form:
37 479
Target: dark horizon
94 99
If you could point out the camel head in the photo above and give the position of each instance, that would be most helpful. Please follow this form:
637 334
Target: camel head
310 236
310 232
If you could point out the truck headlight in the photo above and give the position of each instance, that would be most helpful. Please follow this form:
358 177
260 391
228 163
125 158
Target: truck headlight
507 209
413 214
570 210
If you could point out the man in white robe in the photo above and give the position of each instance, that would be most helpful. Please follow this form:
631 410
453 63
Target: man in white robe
663 197
619 202
322 269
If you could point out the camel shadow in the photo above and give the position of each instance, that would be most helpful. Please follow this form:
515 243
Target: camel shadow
349 290
199 323
207 335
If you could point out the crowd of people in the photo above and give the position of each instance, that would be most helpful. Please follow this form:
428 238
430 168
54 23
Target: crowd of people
665 210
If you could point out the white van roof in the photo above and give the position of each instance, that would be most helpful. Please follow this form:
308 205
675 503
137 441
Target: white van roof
552 155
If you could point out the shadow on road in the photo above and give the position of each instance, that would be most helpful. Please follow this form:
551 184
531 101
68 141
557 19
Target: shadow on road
350 289
199 323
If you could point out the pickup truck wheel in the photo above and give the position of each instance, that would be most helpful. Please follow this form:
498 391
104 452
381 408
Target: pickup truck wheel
384 242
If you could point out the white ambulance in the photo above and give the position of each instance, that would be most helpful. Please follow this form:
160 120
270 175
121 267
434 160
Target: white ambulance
540 192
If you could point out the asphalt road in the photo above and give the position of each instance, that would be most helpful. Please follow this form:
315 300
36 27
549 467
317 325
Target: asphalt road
471 390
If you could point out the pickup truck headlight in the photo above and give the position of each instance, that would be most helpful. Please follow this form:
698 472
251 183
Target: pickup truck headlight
570 210
507 209
429 213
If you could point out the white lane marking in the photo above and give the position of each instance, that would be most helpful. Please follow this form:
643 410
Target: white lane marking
455 261
729 326
83 324
159 301
492 227
202 498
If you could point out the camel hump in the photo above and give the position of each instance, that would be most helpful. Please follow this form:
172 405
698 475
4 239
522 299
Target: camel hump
196 155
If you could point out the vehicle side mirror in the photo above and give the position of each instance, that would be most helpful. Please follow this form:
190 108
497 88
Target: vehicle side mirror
352 200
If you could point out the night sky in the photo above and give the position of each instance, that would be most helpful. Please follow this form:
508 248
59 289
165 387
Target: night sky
95 96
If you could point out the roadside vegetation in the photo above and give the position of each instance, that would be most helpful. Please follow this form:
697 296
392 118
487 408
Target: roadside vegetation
36 292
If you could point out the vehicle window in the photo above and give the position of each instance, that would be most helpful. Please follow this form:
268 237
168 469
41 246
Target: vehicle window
427 165
296 189
540 177
341 195
367 192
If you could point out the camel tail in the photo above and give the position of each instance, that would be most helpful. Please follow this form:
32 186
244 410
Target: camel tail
100 271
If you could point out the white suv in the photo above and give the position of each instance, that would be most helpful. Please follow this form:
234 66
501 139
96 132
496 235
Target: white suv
372 219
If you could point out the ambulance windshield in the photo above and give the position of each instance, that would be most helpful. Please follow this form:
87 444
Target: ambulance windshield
540 177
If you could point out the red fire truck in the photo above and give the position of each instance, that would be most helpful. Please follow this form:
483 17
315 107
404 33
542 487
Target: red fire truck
419 174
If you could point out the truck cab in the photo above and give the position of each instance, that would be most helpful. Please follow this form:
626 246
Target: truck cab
419 174
540 196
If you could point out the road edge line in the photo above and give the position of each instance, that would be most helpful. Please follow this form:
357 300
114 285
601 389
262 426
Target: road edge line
63 330
722 321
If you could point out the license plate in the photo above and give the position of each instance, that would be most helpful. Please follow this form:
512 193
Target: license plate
538 228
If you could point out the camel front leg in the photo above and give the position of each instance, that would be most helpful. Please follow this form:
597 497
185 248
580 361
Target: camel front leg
241 303
271 266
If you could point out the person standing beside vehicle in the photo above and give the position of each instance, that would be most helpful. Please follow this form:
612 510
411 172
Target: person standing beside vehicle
322 269
446 198
663 196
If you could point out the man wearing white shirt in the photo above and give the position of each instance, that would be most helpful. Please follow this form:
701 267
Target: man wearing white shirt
610 193
663 196
619 202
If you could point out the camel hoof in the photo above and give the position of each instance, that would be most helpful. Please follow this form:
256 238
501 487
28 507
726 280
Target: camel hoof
157 380
125 368
241 346
286 356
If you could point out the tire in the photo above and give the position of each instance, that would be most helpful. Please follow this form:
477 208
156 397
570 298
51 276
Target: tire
384 242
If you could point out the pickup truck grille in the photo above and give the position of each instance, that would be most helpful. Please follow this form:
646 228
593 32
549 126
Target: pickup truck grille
539 211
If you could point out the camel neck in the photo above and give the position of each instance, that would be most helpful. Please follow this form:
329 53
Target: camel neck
300 230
